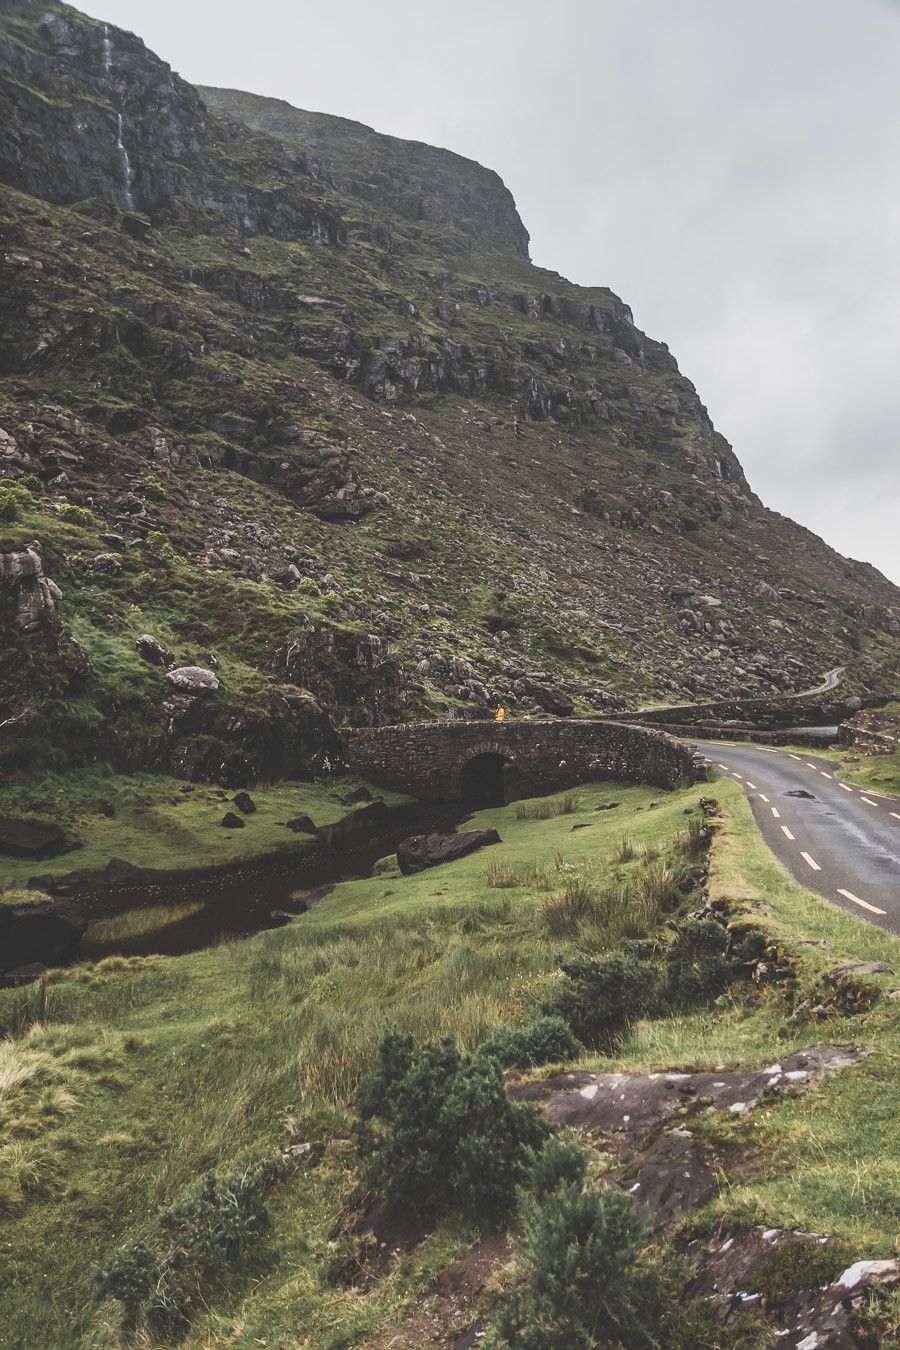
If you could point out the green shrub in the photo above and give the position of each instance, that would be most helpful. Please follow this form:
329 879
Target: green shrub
209 1231
540 1040
601 996
15 501
697 967
153 488
77 515
438 1130
585 1285
563 1161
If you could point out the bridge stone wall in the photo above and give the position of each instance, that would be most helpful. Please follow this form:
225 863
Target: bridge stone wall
426 759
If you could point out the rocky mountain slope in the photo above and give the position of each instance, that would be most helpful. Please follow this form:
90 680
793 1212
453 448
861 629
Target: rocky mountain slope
288 397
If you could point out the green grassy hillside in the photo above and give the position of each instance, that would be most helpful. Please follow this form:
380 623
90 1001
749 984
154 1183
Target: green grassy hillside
145 1073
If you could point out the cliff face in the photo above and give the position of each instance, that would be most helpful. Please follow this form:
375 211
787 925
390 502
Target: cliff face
415 181
289 396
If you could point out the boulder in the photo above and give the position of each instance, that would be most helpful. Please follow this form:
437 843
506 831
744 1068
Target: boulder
193 680
854 968
29 837
44 933
154 651
35 597
360 794
301 825
430 850
244 803
232 822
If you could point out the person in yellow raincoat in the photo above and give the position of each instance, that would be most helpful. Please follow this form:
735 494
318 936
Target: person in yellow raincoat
500 714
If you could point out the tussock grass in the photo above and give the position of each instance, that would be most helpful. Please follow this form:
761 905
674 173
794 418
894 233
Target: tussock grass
626 851
545 808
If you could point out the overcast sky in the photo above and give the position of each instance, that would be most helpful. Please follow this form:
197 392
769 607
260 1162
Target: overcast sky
731 168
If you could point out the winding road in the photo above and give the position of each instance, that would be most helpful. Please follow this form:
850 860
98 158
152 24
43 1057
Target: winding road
837 839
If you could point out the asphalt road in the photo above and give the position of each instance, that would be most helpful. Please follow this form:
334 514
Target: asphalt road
839 840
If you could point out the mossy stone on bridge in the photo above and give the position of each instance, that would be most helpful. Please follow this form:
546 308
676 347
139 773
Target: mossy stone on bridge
487 763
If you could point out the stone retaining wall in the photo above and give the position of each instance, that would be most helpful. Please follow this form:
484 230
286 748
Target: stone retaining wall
426 759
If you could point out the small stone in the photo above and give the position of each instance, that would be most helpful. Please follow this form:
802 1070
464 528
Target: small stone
232 822
244 803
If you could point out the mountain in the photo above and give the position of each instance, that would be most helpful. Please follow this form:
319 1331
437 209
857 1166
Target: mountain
288 397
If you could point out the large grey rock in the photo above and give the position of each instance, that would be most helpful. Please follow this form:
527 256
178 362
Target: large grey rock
35 597
154 651
193 680
430 850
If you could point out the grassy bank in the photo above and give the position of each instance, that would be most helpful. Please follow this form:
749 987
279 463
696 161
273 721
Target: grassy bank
148 1072
152 820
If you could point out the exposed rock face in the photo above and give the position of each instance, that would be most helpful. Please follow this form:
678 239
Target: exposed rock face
430 850
35 598
45 933
416 181
645 1120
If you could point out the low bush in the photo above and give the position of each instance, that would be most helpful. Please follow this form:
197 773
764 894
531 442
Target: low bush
697 964
15 501
601 996
77 515
540 1040
153 489
585 1284
438 1131
208 1232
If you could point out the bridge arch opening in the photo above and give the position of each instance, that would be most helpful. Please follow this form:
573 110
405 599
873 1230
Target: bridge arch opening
489 779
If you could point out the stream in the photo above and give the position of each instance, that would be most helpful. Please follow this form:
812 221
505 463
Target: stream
241 900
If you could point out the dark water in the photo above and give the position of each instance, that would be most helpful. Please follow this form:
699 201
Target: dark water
240 902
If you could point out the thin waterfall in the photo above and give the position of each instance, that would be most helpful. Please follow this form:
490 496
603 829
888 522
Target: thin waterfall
125 161
121 148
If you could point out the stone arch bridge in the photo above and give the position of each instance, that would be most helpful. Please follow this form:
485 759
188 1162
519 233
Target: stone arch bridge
488 763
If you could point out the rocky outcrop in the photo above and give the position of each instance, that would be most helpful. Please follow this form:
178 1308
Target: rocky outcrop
144 136
417 182
32 597
645 1120
430 850
193 680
